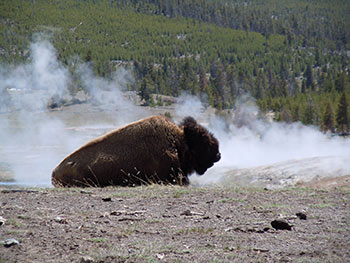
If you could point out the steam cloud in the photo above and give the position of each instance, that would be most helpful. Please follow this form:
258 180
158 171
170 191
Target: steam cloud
34 140
43 74
257 151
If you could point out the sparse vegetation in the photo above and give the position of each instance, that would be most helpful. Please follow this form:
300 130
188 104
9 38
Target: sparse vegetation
168 115
13 222
196 230
230 200
321 206
97 240
157 223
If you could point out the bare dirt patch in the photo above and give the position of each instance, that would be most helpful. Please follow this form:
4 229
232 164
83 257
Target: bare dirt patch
174 224
328 183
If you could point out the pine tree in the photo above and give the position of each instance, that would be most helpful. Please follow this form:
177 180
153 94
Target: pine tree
203 83
303 86
296 113
342 114
144 92
88 56
341 82
286 115
328 120
309 77
309 112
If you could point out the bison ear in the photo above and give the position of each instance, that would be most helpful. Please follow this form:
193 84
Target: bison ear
190 127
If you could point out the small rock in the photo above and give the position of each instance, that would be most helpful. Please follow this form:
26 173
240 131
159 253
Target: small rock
10 242
281 224
116 213
86 259
239 229
166 216
254 230
301 216
186 213
160 256
61 220
191 213
131 251
2 221
107 199
129 213
261 249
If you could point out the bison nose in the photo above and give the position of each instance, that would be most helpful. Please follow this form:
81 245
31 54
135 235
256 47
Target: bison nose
218 156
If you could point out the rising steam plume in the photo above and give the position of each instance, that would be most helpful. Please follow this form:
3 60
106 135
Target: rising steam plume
257 151
254 150
33 139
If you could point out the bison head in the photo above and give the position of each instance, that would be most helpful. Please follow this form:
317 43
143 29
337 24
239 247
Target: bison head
204 147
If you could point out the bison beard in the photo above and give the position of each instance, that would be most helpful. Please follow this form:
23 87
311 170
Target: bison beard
152 150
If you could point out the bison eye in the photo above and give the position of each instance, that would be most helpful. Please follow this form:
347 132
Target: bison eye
218 157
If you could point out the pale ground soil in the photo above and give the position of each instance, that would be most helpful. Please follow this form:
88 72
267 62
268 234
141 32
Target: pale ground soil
176 224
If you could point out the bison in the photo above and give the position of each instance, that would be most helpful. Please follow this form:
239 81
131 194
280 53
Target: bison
151 150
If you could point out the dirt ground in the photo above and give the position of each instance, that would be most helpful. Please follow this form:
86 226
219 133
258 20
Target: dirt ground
174 224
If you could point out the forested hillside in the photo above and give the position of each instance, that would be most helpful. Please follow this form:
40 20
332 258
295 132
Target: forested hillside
292 56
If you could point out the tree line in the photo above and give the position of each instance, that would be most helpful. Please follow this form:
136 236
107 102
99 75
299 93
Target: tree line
292 56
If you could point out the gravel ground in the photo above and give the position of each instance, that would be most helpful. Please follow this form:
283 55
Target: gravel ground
159 223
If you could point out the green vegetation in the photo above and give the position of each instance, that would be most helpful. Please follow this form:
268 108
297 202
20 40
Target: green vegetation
97 240
230 200
292 56
320 206
197 230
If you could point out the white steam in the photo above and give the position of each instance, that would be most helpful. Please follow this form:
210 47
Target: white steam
30 86
261 152
33 140
255 151
189 105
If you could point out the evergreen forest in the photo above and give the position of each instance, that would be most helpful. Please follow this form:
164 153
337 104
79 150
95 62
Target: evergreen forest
293 57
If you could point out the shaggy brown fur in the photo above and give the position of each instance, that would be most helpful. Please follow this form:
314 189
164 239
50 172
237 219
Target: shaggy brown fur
152 150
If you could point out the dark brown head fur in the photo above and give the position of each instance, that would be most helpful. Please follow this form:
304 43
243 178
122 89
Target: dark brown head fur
204 147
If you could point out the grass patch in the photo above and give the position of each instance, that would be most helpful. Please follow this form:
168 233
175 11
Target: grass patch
123 195
97 240
318 206
246 189
24 217
153 221
271 206
130 230
230 200
195 230
66 189
13 222
301 189
181 192
17 232
5 261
